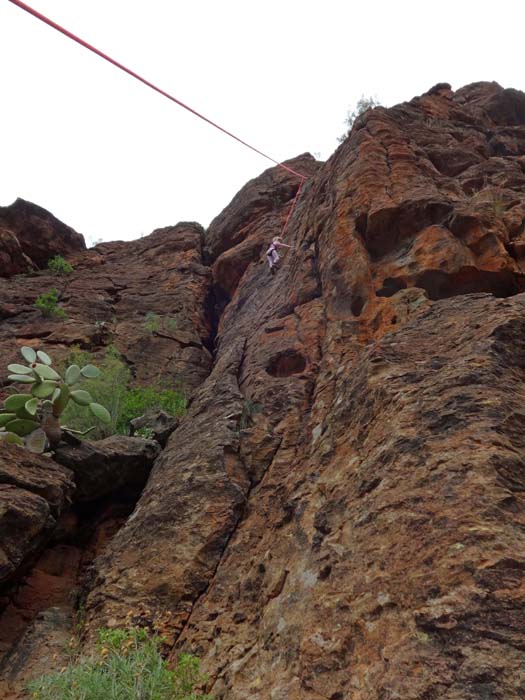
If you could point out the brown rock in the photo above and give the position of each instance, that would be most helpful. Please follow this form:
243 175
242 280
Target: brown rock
38 235
339 514
105 466
264 198
205 488
384 552
42 649
109 298
13 260
34 491
158 423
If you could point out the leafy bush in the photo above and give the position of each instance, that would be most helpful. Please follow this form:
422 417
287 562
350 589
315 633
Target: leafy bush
146 433
123 403
249 410
154 323
109 390
141 399
59 266
47 304
497 202
127 665
33 419
363 104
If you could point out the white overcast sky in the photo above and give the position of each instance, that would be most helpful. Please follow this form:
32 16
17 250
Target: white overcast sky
115 160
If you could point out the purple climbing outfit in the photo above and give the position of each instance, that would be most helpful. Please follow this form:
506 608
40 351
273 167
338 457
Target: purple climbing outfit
272 255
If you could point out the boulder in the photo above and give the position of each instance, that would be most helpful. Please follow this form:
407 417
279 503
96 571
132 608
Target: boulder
106 466
34 492
37 234
159 423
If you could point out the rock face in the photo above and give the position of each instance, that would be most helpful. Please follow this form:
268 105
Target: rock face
34 491
376 557
237 237
147 298
13 260
340 513
30 236
385 555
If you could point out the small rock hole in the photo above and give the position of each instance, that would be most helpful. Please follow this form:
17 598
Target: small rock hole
357 305
391 285
286 363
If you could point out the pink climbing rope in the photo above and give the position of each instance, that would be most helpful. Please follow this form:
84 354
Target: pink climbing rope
96 51
292 207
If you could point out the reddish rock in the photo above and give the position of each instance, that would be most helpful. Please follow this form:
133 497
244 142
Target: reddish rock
43 648
30 236
384 555
105 466
111 296
204 487
34 491
262 200
339 514
240 235
13 260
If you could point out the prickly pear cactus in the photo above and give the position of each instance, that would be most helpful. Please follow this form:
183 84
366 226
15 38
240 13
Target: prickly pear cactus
32 419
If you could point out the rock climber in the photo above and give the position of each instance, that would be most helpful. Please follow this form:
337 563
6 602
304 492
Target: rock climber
272 255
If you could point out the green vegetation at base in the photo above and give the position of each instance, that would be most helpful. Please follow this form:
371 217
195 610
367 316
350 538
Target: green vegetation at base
126 665
112 390
249 410
59 266
138 401
108 390
47 304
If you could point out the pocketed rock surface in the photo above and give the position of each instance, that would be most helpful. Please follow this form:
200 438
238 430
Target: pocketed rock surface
382 553
339 515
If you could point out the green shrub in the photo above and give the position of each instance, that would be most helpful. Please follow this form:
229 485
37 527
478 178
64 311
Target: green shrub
59 266
154 323
249 410
141 399
497 202
109 390
146 433
47 304
127 665
363 105
123 403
